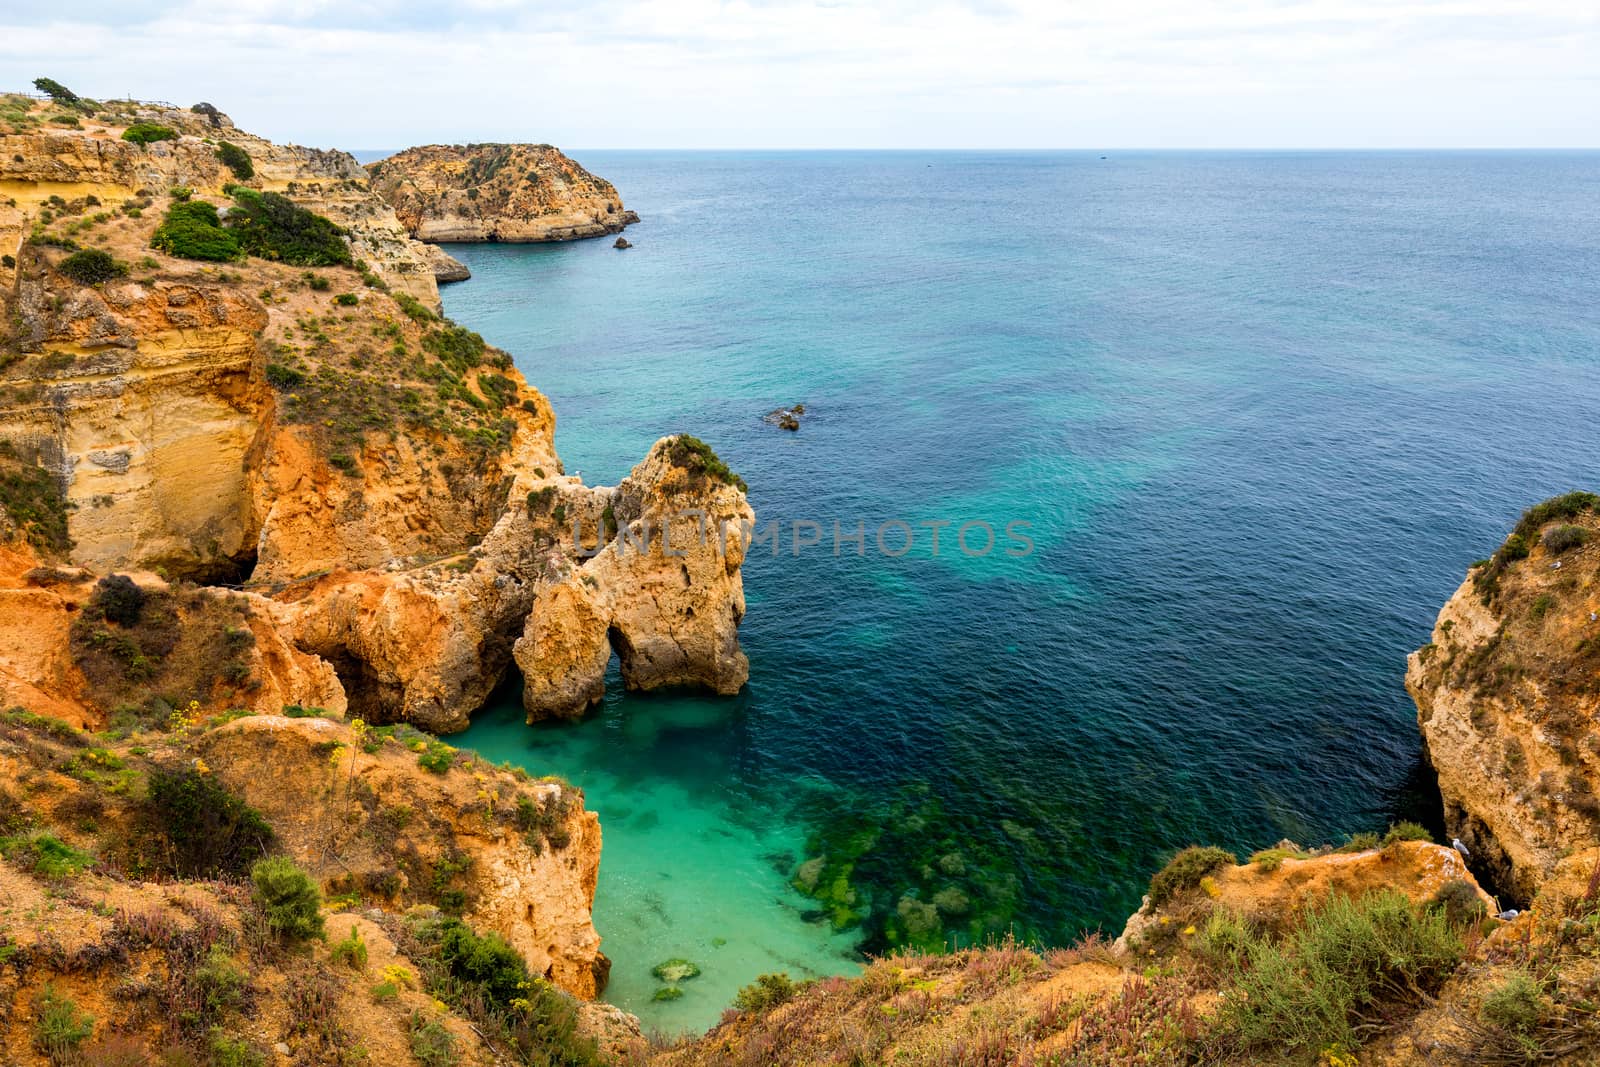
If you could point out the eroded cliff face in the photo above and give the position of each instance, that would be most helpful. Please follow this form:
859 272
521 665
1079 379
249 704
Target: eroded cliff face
497 192
1507 693
665 594
333 799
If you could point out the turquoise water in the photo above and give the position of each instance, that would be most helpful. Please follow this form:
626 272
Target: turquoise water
1260 411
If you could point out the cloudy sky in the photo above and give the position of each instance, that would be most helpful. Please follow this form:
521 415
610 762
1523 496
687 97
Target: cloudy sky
842 73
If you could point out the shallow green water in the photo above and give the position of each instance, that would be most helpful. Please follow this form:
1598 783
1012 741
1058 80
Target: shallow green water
689 868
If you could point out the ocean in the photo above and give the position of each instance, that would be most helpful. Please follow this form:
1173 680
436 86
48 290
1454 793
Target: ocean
1256 412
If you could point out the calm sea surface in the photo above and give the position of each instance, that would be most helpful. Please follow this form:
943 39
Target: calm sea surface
1259 410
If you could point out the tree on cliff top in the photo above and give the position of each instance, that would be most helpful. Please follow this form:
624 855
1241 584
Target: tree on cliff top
56 91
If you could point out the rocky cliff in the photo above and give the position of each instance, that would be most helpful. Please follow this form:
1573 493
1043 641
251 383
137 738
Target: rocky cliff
497 192
263 511
381 481
1507 693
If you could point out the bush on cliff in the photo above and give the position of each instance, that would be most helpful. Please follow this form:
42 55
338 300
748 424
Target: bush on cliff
144 133
274 227
488 980
192 230
33 502
697 457
236 159
211 832
1350 969
91 266
1185 870
288 898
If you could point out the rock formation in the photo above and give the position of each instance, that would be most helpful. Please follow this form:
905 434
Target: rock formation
497 192
1507 693
664 594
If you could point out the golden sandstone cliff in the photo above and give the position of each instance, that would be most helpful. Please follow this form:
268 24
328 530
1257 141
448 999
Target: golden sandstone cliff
274 478
497 192
1507 694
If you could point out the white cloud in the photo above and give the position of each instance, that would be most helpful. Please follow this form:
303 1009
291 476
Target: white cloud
786 73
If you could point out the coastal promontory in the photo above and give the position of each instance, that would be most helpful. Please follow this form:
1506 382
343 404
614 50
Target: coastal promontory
497 192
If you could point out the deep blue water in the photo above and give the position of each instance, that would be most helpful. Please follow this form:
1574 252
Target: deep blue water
1260 410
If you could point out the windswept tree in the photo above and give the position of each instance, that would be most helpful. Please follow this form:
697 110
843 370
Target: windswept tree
56 91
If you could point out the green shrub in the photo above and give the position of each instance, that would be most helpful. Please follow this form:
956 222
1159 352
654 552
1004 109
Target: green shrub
1185 870
697 457
45 855
192 230
546 818
1515 1004
486 961
431 1043
1406 831
211 832
34 502
59 1026
1361 842
288 898
1458 901
143 133
236 159
1350 965
413 308
437 757
456 347
282 377
118 599
348 300
1559 539
352 951
221 983
765 993
91 266
233 1052
274 227
317 283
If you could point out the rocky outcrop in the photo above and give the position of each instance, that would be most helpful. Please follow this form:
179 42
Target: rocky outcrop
1507 695
330 798
1273 890
497 192
664 593
445 267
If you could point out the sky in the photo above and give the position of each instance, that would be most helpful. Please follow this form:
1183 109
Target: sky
1093 74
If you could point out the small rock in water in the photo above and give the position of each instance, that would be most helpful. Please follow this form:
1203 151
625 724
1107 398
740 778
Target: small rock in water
622 242
786 418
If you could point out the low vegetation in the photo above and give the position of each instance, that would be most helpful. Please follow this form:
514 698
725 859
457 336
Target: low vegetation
34 504
698 458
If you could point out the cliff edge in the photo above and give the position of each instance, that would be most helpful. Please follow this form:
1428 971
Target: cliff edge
1507 692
